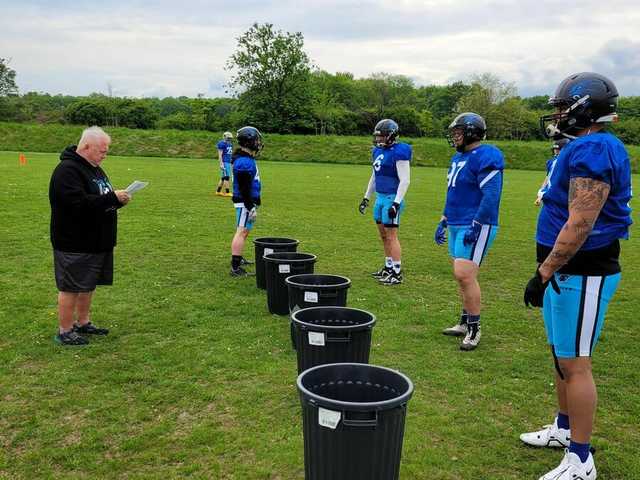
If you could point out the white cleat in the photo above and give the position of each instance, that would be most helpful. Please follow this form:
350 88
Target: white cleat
550 436
458 330
471 340
571 468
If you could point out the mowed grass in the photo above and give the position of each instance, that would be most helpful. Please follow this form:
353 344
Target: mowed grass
197 379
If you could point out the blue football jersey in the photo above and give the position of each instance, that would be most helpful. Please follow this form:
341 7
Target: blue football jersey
247 164
384 166
551 164
227 150
600 156
469 172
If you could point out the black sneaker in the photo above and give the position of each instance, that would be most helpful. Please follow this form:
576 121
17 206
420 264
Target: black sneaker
70 338
244 261
383 272
240 272
392 278
90 329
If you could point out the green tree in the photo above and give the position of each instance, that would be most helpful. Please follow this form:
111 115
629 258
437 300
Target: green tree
86 112
271 78
7 79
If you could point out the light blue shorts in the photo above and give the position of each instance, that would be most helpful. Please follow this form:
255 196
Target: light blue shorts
381 210
242 216
226 171
476 251
573 319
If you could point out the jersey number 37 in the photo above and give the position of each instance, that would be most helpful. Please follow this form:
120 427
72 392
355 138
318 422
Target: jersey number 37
453 173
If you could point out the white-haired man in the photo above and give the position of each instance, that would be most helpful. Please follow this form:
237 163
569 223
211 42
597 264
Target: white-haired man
83 232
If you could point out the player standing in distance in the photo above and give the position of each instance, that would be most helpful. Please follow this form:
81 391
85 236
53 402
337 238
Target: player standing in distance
551 163
246 193
225 149
390 180
474 188
585 214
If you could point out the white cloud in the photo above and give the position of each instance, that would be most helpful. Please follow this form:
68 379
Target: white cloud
180 48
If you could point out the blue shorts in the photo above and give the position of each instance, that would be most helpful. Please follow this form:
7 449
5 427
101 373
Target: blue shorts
226 171
381 210
476 251
573 319
242 217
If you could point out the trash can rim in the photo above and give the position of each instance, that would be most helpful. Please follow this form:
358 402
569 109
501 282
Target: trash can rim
297 284
356 406
315 326
263 241
290 260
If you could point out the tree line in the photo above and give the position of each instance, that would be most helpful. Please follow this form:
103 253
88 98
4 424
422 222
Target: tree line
277 88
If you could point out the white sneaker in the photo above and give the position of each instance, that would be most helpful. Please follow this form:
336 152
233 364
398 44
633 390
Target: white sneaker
458 330
571 468
471 340
549 436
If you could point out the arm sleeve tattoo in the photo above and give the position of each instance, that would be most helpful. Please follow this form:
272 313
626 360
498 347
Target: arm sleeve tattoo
586 198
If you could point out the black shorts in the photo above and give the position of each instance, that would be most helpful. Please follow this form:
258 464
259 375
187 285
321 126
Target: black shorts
81 272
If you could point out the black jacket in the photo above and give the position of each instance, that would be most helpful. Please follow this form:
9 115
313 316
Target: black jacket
83 206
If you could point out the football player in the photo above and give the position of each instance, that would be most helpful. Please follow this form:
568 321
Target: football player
474 188
584 215
225 149
390 179
246 193
551 163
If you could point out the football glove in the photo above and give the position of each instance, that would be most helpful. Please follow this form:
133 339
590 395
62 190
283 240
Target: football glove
441 232
472 233
393 210
534 291
363 205
253 213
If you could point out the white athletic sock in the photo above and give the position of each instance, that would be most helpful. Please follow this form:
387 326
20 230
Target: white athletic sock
388 262
397 266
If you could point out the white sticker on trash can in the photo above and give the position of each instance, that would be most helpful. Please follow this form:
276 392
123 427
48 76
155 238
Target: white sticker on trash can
311 297
284 268
267 251
328 418
316 338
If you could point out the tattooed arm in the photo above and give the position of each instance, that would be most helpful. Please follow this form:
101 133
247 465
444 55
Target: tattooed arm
586 199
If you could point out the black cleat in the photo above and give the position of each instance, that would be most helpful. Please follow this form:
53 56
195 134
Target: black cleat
240 272
90 329
70 338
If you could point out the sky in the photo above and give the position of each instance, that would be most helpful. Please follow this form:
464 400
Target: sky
140 48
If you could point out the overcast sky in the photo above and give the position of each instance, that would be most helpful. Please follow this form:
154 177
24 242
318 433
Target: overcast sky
171 47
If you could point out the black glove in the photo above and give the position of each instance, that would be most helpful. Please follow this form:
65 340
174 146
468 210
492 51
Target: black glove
363 205
534 291
393 210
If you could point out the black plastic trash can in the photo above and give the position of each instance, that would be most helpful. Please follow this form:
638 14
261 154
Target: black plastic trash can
265 246
279 266
353 421
316 290
332 335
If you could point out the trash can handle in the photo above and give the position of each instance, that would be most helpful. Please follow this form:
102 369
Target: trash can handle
360 423
338 339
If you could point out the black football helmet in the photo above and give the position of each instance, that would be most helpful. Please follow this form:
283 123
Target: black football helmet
558 145
388 129
250 138
472 126
581 100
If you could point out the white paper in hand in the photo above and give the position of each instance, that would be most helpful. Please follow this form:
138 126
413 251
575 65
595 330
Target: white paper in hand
135 186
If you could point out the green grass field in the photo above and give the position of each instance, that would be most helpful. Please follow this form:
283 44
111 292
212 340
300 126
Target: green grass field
197 379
